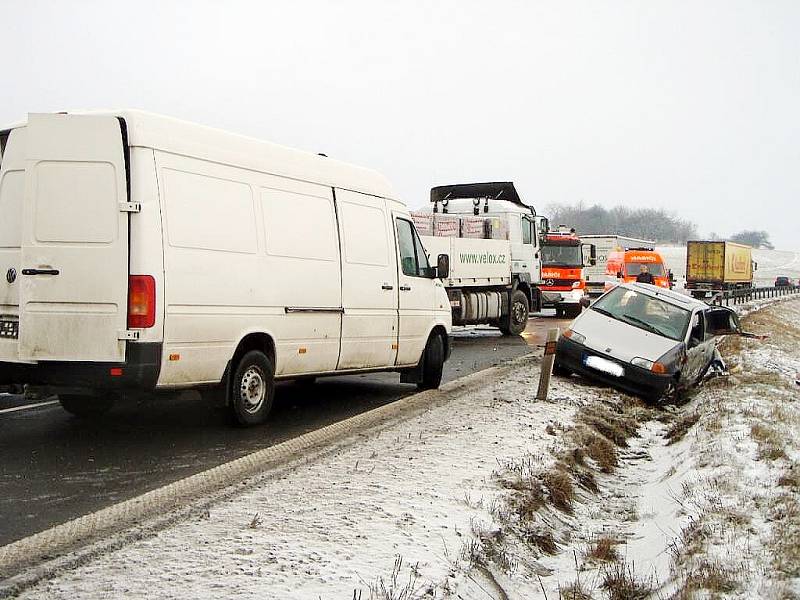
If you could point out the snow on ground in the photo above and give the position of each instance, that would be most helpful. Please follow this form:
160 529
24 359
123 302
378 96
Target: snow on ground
336 524
496 495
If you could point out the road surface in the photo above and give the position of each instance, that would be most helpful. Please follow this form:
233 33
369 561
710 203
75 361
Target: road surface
56 467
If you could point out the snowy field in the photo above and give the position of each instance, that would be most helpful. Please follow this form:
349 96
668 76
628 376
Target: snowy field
496 495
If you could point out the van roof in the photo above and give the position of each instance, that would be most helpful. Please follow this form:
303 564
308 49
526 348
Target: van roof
164 133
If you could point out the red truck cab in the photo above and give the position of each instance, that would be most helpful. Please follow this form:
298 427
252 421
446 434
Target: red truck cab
563 280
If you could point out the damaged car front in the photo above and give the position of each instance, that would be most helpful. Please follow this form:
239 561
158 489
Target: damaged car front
644 340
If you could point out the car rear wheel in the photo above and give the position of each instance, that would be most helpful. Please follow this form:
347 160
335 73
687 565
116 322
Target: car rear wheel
432 363
252 389
86 407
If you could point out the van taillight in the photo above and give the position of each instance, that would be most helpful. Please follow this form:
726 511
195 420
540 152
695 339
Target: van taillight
141 301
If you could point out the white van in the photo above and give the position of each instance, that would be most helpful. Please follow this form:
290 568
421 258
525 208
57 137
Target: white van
139 252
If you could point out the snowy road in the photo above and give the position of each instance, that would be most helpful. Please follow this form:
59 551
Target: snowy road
56 468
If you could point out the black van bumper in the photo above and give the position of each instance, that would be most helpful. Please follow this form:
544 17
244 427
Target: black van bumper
140 371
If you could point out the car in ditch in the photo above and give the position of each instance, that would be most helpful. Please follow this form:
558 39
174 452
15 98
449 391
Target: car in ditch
645 340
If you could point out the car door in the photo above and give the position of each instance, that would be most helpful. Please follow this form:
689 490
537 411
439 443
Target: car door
697 348
74 260
416 292
369 282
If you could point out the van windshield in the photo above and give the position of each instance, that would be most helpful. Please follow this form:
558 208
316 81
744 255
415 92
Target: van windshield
634 268
562 256
645 312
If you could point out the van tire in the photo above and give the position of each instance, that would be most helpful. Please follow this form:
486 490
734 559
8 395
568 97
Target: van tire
516 320
432 363
252 389
573 311
86 407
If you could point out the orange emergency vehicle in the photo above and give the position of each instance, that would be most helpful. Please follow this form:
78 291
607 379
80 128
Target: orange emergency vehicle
563 281
625 265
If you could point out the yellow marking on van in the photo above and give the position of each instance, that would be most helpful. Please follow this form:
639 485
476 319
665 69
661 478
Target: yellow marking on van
174 357
302 351
395 346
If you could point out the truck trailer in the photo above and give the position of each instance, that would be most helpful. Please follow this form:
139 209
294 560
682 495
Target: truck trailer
493 240
715 266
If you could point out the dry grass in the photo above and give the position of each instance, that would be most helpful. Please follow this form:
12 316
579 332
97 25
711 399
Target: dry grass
600 450
791 477
681 427
621 583
709 576
393 588
771 444
602 549
575 591
541 539
785 543
617 427
560 490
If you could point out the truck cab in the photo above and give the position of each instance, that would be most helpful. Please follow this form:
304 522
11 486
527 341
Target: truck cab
510 218
563 281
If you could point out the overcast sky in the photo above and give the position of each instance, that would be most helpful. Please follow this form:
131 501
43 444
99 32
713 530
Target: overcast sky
689 106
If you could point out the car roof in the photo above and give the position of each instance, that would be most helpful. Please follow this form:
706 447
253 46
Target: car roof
675 298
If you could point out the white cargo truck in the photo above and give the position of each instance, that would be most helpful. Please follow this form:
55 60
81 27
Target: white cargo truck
596 275
141 253
493 279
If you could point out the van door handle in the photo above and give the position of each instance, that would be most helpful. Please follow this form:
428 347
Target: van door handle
405 288
40 271
386 286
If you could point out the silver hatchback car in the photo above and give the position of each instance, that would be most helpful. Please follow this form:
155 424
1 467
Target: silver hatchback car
645 340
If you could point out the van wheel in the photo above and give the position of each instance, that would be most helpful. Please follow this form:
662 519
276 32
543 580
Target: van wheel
573 311
517 319
432 363
252 389
86 407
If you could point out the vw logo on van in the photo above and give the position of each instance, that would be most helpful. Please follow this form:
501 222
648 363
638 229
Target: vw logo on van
11 275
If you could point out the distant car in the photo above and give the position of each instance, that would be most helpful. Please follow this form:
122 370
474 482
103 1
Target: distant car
644 340
782 282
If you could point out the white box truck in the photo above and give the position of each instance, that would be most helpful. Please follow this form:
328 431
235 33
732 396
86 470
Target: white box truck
491 281
596 275
143 253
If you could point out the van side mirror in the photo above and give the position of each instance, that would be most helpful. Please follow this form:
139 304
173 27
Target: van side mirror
443 266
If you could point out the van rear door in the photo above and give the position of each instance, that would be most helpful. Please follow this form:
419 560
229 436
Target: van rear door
74 277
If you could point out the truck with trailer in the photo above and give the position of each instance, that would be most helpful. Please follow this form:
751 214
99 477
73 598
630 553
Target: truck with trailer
596 274
564 258
493 240
714 266
144 254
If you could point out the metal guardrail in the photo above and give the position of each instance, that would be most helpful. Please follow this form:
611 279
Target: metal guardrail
743 295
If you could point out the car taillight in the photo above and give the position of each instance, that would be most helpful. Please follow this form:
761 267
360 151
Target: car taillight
141 301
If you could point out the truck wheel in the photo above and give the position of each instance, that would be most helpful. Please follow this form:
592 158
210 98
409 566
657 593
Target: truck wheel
432 363
573 311
252 389
86 407
517 319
